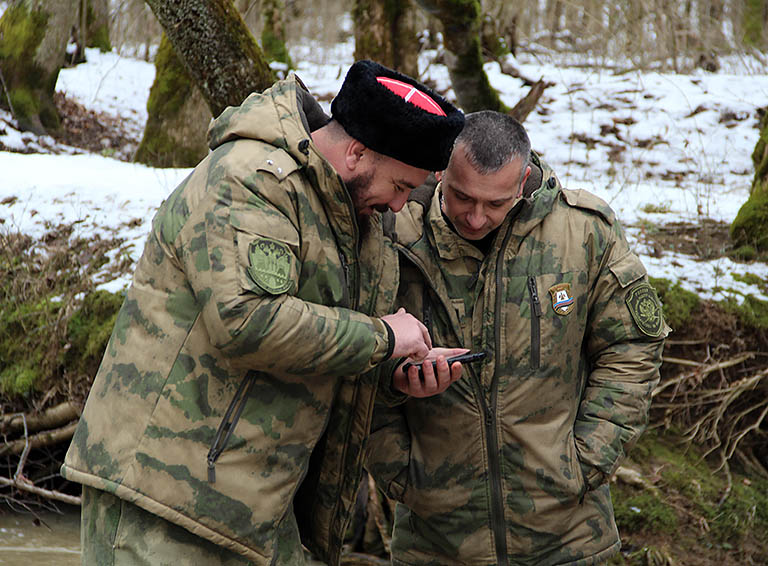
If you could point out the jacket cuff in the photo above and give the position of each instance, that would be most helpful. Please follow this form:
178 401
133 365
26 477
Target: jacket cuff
390 340
386 394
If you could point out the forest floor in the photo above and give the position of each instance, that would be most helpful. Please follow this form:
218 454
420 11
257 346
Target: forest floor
678 500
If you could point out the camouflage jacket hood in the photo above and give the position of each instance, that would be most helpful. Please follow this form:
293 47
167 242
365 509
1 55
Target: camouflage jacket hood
508 466
252 286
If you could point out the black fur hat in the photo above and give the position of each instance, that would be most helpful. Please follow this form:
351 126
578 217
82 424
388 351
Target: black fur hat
397 116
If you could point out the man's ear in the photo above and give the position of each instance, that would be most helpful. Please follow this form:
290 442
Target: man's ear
439 175
525 178
354 154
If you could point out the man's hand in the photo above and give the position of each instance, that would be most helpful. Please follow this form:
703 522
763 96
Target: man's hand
433 384
411 336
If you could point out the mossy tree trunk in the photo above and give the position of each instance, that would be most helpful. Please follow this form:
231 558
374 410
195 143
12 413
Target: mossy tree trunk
750 228
97 25
93 17
178 117
386 32
33 40
216 48
754 22
461 21
273 32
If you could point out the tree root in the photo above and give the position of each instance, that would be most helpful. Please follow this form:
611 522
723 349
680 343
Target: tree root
718 405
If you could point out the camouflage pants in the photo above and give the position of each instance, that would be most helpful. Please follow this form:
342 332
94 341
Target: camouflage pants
114 532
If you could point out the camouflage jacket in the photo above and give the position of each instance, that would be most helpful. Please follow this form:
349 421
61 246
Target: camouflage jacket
509 465
249 288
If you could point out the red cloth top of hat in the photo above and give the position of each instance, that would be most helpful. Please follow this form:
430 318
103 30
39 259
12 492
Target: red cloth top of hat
411 94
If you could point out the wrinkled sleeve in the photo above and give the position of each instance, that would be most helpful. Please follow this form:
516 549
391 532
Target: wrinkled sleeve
624 344
242 257
386 394
389 449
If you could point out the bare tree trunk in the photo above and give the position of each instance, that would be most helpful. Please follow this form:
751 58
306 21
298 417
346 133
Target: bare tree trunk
553 17
216 48
750 228
33 40
461 33
178 117
635 32
713 19
385 32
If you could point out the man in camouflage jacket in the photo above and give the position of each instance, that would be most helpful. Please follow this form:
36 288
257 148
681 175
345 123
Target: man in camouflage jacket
510 465
236 383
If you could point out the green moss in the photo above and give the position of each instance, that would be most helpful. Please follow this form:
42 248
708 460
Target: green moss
749 227
52 322
752 279
172 84
24 102
19 380
161 150
98 34
90 327
744 253
99 37
752 23
643 512
31 88
744 511
171 89
24 346
678 303
688 501
752 312
274 48
21 31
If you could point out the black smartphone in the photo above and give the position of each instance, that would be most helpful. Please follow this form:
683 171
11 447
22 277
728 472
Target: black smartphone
463 358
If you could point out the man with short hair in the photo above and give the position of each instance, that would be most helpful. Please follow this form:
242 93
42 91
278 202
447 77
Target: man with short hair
510 465
230 412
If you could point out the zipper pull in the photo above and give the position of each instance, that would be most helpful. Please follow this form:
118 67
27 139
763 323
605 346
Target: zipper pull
534 296
489 417
211 471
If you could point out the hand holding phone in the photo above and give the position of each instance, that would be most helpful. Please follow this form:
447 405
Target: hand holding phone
463 358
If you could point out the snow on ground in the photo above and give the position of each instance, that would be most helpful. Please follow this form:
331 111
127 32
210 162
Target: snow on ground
659 148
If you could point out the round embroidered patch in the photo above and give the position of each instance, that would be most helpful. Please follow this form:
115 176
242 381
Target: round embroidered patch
270 265
645 308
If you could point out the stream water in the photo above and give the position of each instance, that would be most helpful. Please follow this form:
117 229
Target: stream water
53 540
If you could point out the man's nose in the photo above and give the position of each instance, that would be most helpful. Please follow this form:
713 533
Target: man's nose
476 217
397 203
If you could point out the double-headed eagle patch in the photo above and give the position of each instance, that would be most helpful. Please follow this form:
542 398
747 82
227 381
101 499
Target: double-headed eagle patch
270 265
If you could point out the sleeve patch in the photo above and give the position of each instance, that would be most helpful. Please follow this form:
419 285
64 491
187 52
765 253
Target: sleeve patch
270 265
645 308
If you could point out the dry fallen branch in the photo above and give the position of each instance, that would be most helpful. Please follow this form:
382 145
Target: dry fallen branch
526 105
24 485
51 418
40 440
